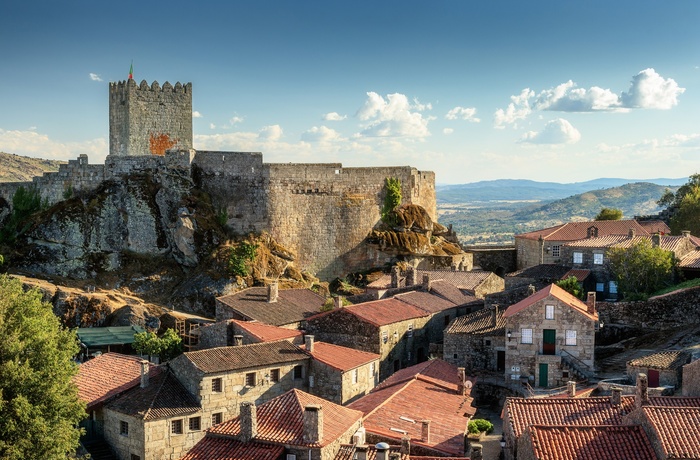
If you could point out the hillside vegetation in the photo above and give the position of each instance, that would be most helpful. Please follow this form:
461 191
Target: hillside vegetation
16 168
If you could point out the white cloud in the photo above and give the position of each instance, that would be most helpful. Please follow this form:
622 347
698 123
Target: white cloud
448 131
334 116
393 117
95 77
320 134
557 131
518 109
568 98
196 114
236 119
463 113
37 145
649 90
271 133
212 126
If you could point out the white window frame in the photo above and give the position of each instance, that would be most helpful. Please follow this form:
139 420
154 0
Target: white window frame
526 335
578 257
612 287
355 376
556 250
597 258
549 312
570 338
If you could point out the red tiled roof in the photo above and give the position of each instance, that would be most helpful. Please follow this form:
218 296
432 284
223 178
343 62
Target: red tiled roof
591 442
265 332
580 274
212 448
341 358
163 397
655 226
667 242
554 291
437 370
480 322
292 305
572 231
662 360
383 282
348 451
108 375
452 293
677 429
461 279
691 260
224 359
425 301
383 312
550 272
403 403
280 420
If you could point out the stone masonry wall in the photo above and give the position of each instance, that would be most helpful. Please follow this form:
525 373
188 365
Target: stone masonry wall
691 379
337 386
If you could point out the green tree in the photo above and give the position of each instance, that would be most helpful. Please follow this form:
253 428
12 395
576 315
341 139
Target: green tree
39 405
685 204
609 214
641 269
571 285
166 347
392 198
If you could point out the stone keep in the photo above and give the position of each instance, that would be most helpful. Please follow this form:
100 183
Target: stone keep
147 120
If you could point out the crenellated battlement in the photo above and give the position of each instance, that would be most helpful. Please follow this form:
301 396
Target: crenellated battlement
116 88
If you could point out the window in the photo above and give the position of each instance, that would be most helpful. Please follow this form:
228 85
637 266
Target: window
487 342
408 357
526 336
555 250
291 456
599 287
598 259
578 257
195 423
135 457
570 337
447 320
372 369
176 426
455 356
275 375
297 372
355 376
217 418
549 312
123 428
385 336
250 379
612 287
410 330
216 386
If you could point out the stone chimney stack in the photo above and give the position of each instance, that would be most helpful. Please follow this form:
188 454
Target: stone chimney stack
571 389
631 233
405 445
531 290
590 303
361 452
249 421
477 452
313 423
685 233
616 397
425 431
461 386
338 301
144 373
411 276
382 451
272 292
656 240
426 282
237 340
309 339
395 276
642 394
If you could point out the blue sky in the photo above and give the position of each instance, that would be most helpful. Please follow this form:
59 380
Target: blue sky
557 91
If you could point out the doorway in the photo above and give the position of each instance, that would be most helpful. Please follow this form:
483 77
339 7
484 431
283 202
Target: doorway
549 338
544 375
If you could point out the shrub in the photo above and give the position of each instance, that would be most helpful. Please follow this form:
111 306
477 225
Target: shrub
240 256
392 199
479 425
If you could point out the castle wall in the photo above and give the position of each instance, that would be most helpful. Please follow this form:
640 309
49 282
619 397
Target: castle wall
147 119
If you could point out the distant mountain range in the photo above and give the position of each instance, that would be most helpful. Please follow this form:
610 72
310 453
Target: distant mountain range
521 189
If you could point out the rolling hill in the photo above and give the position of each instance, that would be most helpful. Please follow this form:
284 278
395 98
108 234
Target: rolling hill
16 168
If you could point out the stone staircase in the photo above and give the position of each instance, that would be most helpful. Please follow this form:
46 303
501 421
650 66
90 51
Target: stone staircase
578 369
98 449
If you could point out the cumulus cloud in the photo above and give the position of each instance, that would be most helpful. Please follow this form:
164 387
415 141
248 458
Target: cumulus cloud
37 145
557 131
196 114
463 113
684 141
334 116
320 134
448 131
236 119
649 90
568 98
518 109
271 133
95 77
212 126
394 116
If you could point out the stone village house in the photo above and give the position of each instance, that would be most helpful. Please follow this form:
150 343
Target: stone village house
477 341
235 332
662 369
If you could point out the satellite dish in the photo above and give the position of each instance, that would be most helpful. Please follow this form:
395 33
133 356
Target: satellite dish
468 384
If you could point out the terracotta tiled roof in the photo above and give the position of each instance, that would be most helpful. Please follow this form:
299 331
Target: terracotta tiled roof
480 322
292 305
674 401
109 375
402 402
548 272
663 360
677 429
655 226
383 282
667 242
452 293
163 397
556 292
591 442
384 311
579 230
224 359
691 260
266 333
461 279
426 301
341 358
280 420
347 452
578 273
213 448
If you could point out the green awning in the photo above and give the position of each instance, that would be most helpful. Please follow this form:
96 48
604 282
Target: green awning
95 337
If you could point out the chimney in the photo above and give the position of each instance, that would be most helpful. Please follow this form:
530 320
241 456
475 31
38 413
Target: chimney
395 275
590 303
642 396
394 456
411 276
531 289
685 233
616 397
361 452
382 451
237 340
571 389
405 445
453 267
656 240
309 340
426 282
461 387
425 431
272 292
631 233
249 421
338 301
477 452
313 423
144 373
494 315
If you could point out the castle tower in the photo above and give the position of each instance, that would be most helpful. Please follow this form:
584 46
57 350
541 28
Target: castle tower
147 120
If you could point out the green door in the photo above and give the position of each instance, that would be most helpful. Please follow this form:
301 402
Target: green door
544 375
549 340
